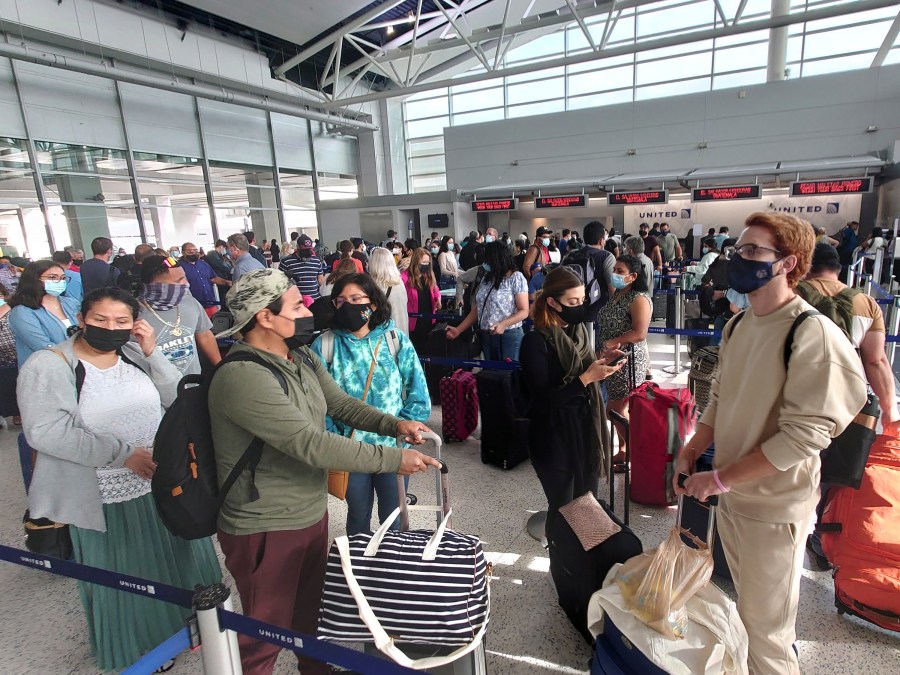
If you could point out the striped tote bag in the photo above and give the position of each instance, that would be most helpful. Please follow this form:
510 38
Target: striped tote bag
414 587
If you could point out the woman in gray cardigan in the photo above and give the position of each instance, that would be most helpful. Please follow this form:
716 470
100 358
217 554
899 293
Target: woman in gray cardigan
93 469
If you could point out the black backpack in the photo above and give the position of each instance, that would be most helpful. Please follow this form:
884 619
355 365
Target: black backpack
185 485
583 262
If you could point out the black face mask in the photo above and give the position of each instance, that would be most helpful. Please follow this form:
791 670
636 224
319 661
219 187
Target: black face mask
104 339
572 315
77 261
424 269
304 330
352 317
194 257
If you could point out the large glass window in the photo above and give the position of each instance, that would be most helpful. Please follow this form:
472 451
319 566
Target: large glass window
298 197
840 43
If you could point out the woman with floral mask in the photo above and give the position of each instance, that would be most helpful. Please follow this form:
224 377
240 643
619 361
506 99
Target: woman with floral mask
41 314
373 361
94 465
623 322
179 321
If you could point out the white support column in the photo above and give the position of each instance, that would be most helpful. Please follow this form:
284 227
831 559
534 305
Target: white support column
778 38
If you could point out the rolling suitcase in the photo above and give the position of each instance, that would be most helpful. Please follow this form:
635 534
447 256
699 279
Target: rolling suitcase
578 571
439 631
437 344
459 406
660 307
697 342
661 419
504 427
704 364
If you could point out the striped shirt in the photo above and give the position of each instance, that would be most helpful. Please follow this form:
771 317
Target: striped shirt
304 272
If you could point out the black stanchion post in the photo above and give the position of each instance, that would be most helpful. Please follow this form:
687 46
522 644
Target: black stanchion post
219 646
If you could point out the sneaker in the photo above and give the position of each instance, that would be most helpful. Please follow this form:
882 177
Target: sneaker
816 554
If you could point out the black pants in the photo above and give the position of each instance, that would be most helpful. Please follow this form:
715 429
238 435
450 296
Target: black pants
562 483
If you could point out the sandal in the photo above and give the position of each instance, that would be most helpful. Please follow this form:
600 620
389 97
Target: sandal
166 667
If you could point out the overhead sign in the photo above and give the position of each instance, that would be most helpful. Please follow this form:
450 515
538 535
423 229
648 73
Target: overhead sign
646 197
561 202
721 194
481 205
841 186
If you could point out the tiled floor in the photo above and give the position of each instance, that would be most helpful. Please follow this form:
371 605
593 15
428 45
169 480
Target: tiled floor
43 630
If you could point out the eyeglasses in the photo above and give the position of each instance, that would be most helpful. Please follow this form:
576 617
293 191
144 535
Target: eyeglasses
353 300
749 251
54 277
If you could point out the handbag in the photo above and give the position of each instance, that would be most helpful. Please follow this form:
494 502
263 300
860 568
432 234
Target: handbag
338 480
47 537
844 461
414 587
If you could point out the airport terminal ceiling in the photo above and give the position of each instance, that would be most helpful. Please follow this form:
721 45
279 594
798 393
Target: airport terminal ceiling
354 51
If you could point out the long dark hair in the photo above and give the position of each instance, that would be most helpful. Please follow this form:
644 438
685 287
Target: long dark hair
556 283
444 246
370 288
500 260
30 292
635 266
111 293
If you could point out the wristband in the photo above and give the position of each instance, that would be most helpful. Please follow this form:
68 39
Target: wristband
718 482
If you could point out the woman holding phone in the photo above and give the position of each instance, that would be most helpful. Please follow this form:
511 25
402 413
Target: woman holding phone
568 437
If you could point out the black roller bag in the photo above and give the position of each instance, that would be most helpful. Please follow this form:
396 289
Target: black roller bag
437 344
695 519
504 425
578 574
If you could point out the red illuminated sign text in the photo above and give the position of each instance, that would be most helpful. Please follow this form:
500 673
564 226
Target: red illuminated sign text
846 186
648 197
494 205
560 202
715 194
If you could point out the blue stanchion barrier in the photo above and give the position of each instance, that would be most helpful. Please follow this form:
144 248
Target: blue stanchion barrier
297 642
469 363
101 577
665 291
892 338
689 332
885 301
310 646
156 657
438 317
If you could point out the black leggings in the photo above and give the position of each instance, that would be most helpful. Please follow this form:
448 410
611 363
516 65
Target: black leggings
562 484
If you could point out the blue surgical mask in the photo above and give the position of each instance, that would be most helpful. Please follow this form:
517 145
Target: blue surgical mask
488 238
486 267
618 281
705 250
545 241
746 276
55 288
435 250
2 302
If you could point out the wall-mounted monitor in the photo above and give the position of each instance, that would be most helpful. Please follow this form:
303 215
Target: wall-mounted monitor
437 221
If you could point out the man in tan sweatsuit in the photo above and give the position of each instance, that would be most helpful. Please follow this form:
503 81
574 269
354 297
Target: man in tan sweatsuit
768 426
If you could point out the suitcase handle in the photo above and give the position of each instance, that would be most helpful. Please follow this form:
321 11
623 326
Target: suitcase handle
713 501
442 483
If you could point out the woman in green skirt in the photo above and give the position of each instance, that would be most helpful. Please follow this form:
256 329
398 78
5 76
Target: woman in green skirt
94 465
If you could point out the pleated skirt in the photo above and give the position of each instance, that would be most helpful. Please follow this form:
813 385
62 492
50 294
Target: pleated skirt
124 626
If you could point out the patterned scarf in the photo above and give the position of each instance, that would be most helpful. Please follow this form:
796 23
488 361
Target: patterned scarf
164 296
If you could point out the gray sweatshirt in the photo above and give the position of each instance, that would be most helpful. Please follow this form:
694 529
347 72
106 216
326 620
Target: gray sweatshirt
64 487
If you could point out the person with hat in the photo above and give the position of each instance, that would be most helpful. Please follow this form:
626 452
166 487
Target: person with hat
304 268
539 251
239 251
276 545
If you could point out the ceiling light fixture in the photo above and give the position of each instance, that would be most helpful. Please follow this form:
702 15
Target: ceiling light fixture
389 30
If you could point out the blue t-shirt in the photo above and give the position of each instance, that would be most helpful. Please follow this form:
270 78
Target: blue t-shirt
199 275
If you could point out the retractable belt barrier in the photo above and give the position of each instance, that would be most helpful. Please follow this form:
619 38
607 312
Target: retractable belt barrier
299 643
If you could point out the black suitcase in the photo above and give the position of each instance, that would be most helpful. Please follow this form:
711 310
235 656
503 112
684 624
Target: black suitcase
437 344
504 426
660 307
578 574
696 342
671 305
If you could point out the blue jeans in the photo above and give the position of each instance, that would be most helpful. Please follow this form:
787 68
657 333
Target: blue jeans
361 491
502 347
